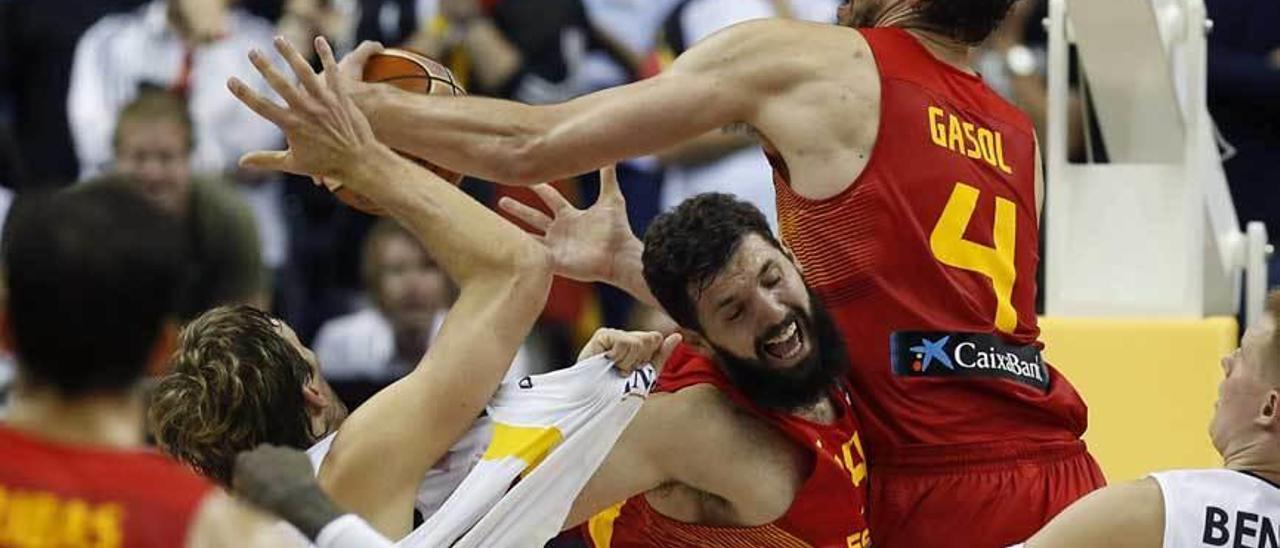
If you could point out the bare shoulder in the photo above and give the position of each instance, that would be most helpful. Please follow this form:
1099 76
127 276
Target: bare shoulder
715 443
1128 515
779 51
224 521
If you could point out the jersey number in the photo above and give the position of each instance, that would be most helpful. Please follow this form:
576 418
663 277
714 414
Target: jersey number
857 468
996 263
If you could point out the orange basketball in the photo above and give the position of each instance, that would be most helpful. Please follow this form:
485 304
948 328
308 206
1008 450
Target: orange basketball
411 72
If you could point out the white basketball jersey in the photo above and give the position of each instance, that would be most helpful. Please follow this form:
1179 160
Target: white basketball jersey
1211 508
551 432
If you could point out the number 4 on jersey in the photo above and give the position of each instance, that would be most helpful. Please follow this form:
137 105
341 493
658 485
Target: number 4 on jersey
996 263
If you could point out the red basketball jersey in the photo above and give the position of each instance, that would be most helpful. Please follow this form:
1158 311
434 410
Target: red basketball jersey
927 262
828 510
53 494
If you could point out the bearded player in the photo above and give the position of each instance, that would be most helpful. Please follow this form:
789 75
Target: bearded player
909 193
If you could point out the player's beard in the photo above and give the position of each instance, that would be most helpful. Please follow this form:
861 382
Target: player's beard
802 384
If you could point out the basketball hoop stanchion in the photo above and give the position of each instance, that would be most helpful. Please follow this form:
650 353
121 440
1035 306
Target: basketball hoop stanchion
1145 262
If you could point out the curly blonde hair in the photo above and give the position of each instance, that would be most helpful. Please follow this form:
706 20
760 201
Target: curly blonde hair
236 383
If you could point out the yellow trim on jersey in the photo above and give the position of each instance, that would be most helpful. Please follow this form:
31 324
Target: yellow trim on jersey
600 526
530 444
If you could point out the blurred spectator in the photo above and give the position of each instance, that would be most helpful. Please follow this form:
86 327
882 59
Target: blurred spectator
221 261
37 41
369 349
191 47
721 161
1244 85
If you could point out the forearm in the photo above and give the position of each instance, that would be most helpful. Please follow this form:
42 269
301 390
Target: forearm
467 239
512 143
479 136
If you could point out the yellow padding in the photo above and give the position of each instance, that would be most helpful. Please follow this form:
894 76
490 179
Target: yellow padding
530 444
1150 386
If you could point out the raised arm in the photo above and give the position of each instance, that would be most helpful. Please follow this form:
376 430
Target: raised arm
384 449
722 80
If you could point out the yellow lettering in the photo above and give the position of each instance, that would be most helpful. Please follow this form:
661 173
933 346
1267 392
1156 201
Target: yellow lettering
956 140
937 130
861 539
987 145
75 523
996 263
972 149
1000 155
5 521
33 519
857 468
108 524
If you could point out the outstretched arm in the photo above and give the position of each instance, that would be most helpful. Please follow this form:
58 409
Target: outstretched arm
1127 515
385 448
720 81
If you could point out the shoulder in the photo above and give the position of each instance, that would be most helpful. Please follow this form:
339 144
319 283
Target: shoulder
1122 515
778 53
702 419
113 26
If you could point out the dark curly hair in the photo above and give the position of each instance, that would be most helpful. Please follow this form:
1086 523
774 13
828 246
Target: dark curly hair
968 21
686 248
236 383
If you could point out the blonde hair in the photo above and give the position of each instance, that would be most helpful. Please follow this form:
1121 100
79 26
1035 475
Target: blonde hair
236 383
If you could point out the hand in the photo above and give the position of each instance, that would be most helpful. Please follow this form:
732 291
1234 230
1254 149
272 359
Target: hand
269 475
282 481
586 245
327 135
631 349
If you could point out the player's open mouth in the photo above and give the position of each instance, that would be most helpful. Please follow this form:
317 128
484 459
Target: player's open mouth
787 344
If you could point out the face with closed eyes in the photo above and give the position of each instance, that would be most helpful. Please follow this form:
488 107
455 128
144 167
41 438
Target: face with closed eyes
770 332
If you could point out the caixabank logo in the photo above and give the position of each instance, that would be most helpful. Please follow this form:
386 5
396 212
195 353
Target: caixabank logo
957 354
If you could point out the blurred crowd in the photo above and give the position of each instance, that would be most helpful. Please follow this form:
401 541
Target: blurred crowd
135 90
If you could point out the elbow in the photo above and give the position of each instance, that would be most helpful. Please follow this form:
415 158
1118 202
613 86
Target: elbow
529 154
526 163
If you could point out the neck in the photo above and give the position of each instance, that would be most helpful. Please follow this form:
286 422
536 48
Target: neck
821 411
106 420
945 49
1257 457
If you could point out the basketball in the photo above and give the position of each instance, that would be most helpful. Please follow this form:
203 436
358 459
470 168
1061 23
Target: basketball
414 73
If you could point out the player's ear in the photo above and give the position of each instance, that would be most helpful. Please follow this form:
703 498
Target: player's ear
786 250
1269 414
314 395
166 343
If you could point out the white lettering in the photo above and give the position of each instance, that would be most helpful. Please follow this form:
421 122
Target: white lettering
967 364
